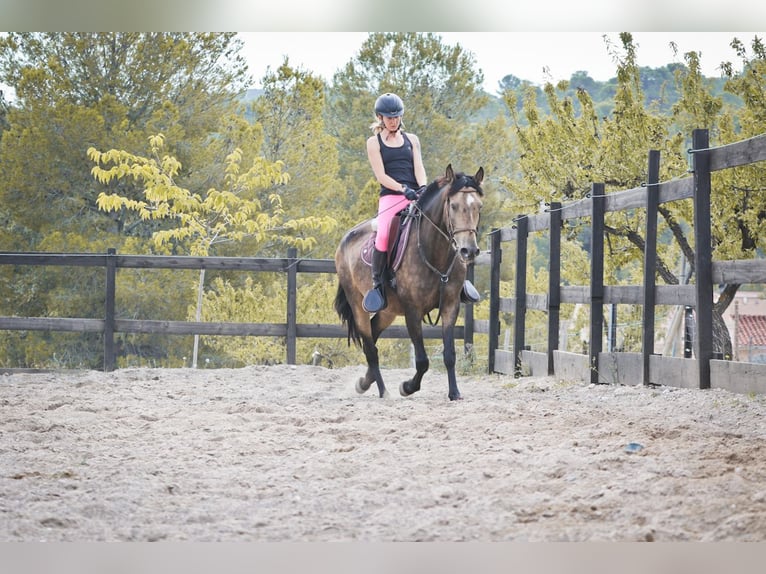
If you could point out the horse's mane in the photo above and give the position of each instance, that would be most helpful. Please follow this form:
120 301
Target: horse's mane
434 188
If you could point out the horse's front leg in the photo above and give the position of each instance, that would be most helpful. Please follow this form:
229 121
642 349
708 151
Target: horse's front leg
448 337
448 340
415 329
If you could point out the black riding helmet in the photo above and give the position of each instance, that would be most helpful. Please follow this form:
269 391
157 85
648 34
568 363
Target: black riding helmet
389 105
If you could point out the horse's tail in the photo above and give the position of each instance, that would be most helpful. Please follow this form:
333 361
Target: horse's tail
346 313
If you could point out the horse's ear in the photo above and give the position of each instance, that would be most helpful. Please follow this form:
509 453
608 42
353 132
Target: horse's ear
450 174
479 177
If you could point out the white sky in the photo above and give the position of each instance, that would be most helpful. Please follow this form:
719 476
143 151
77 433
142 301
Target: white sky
523 54
497 54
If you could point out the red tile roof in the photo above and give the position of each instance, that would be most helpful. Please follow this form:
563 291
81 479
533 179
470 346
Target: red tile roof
752 330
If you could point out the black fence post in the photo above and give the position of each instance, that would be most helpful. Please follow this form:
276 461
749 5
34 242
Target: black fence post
110 361
596 278
650 261
520 292
292 304
703 258
496 257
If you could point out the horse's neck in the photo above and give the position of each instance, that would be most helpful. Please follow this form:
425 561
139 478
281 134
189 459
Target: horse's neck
434 235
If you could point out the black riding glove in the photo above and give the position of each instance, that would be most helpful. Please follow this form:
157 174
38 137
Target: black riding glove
410 193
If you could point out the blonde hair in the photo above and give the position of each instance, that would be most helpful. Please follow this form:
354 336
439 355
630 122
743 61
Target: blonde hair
378 126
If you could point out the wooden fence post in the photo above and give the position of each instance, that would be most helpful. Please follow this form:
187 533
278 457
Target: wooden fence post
554 282
650 261
496 257
596 278
110 361
703 258
292 304
520 292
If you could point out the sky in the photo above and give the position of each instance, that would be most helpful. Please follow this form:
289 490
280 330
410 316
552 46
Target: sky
535 56
538 57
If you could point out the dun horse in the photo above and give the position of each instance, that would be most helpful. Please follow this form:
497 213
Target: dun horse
429 275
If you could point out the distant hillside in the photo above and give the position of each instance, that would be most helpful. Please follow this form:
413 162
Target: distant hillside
658 85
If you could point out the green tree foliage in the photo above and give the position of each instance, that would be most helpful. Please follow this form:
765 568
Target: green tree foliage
444 105
112 90
265 302
565 151
4 107
290 113
441 89
108 90
218 186
200 222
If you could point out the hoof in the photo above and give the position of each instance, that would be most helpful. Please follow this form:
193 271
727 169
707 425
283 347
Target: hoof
403 390
457 398
361 388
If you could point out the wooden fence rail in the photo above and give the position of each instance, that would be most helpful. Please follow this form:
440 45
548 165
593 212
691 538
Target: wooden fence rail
703 371
629 368
291 330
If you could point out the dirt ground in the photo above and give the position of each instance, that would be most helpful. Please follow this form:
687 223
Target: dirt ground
293 453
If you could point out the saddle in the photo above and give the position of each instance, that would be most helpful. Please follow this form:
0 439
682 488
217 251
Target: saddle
398 237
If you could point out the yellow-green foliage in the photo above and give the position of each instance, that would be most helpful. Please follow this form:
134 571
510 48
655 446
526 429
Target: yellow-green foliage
250 304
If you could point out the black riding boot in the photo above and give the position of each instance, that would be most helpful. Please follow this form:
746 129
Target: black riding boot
375 299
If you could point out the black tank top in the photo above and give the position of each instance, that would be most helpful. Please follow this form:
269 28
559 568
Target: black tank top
399 164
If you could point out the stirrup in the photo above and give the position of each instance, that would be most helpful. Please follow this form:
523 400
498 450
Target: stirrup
469 294
374 300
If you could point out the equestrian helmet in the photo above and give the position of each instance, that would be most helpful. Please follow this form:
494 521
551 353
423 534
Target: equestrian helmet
389 105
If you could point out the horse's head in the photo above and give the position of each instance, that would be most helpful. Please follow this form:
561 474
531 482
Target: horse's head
462 209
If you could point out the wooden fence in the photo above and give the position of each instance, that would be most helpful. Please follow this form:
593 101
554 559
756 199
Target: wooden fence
596 366
704 370
110 324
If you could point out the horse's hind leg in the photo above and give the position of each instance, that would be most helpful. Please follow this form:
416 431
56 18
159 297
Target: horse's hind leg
373 373
369 346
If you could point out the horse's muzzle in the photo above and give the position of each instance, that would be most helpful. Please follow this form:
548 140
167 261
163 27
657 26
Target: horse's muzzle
469 253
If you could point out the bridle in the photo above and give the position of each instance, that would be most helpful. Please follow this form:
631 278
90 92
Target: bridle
417 212
450 226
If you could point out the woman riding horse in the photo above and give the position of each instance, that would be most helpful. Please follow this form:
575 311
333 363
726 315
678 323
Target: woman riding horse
396 161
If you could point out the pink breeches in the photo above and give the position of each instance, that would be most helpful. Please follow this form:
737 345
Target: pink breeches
388 207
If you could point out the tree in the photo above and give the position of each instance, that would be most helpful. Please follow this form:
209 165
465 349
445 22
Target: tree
108 90
738 194
441 89
197 222
562 154
112 90
290 113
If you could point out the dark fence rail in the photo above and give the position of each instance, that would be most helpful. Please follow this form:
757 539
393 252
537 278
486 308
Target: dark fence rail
703 371
629 368
291 330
